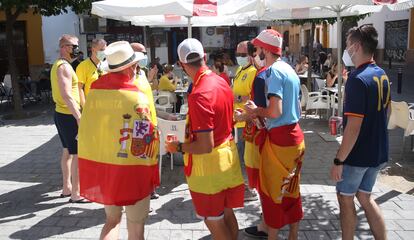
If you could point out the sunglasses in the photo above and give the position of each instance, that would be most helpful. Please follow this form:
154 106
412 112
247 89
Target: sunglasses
74 46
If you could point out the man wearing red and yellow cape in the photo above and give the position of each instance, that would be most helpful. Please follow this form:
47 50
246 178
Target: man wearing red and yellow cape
118 144
282 144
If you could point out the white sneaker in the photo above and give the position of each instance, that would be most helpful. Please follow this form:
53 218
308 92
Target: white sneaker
250 194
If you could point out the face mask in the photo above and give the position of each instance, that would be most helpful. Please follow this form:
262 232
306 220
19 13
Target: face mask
242 61
100 55
260 62
347 59
143 62
75 51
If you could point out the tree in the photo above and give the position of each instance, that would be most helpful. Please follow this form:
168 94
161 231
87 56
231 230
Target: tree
13 9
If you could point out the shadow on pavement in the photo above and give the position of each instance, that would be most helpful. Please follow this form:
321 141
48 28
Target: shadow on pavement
75 219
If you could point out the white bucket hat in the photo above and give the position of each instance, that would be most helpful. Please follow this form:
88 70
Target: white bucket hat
120 56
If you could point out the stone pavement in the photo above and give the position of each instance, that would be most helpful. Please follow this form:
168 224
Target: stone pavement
30 185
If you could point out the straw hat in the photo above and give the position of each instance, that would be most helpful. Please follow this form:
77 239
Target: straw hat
120 56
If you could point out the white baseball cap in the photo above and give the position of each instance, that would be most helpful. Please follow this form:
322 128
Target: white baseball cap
188 46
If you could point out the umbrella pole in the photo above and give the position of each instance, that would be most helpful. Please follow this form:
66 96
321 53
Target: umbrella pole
339 61
189 28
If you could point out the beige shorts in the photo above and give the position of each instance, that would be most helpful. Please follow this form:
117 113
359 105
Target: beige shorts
137 213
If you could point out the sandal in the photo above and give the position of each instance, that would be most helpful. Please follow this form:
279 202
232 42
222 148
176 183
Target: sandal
82 200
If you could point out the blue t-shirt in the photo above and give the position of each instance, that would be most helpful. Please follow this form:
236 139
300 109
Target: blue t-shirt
282 81
259 87
367 95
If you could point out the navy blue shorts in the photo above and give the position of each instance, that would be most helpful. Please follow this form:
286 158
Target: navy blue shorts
67 128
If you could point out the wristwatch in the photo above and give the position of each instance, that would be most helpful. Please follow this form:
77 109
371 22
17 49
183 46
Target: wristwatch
180 147
338 162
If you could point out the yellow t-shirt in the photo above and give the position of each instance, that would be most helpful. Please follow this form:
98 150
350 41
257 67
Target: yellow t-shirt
61 106
143 85
242 86
166 84
87 73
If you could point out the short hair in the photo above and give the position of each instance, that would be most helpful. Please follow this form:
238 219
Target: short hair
366 35
65 39
197 63
97 41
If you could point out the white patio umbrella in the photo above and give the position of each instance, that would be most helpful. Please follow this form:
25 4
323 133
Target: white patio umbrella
303 9
163 12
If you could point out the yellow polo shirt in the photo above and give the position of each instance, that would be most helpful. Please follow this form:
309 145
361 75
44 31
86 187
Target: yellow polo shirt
242 86
166 84
87 73
61 106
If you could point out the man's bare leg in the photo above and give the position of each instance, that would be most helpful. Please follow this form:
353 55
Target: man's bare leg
65 165
231 222
218 229
373 214
347 215
110 230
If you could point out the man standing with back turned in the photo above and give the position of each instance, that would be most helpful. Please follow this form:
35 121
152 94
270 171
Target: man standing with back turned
211 162
364 148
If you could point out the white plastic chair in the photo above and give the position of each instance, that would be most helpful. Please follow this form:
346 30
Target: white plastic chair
320 83
169 127
334 103
403 117
162 103
314 100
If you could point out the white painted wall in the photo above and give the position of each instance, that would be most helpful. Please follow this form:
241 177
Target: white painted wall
378 20
53 27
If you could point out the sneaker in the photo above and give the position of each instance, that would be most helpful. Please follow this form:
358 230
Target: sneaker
253 232
250 195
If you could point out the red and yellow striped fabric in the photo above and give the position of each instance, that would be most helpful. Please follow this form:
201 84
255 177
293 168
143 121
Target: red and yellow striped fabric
118 143
281 161
214 179
251 153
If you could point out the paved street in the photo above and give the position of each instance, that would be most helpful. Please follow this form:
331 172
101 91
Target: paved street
30 185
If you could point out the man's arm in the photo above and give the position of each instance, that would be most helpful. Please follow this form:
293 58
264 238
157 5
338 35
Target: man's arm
204 144
65 87
349 139
81 94
351 134
274 110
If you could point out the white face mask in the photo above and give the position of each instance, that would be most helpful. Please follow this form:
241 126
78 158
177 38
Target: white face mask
347 58
100 55
242 61
143 62
259 62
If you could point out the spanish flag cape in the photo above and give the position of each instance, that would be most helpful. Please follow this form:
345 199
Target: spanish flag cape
282 150
118 143
251 153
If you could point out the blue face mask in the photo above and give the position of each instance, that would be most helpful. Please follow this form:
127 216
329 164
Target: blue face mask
143 62
100 55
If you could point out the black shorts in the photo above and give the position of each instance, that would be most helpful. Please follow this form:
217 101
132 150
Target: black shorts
67 128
